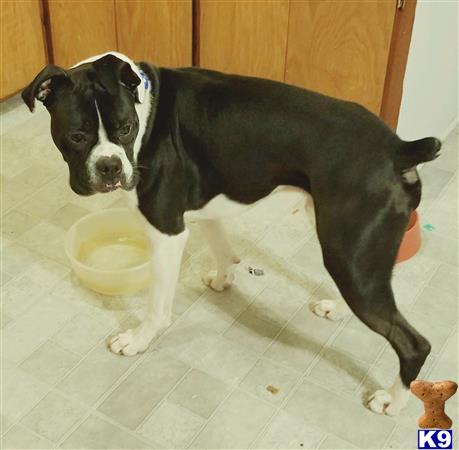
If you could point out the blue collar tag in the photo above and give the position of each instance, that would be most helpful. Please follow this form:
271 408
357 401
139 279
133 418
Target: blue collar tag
146 81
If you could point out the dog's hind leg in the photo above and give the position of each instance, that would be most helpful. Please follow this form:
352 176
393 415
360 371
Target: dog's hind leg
224 256
360 258
329 309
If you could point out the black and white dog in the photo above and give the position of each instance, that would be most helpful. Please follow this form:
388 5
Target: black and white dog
202 144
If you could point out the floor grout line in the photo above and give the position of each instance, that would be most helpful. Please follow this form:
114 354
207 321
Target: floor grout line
260 355
21 202
53 386
93 408
439 355
164 399
39 299
301 378
322 441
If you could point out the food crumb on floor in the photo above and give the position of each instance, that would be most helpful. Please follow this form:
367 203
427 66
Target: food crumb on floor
273 389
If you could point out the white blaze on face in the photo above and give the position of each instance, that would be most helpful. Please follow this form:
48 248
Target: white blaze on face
105 147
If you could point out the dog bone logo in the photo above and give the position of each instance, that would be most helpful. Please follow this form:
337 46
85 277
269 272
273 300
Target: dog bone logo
434 396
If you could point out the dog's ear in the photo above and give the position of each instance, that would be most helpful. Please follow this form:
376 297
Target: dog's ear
112 72
45 86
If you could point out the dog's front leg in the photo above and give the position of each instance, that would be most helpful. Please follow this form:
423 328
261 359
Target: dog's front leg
166 257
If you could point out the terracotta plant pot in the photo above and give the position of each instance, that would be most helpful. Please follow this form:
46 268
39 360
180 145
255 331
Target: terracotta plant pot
411 241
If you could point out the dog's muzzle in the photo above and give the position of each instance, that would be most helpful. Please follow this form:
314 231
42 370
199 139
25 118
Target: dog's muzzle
109 170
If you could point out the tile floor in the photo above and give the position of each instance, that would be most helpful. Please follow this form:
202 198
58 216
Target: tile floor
202 384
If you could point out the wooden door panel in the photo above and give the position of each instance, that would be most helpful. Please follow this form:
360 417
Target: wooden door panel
80 29
247 37
396 65
159 32
23 49
340 48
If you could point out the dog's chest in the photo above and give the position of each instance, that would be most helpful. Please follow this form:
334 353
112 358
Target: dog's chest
219 207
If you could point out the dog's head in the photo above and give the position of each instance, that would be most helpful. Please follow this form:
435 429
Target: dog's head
94 122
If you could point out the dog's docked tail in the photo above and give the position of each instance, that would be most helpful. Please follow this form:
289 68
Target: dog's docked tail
412 153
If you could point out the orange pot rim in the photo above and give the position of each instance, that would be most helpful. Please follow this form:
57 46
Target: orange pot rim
411 242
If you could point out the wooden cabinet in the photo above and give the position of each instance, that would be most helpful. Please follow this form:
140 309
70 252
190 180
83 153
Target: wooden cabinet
22 47
159 31
244 37
80 29
340 48
156 31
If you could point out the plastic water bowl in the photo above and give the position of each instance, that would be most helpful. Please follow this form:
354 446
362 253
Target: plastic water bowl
109 251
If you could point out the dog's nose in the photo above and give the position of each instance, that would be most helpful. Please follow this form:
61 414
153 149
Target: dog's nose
109 167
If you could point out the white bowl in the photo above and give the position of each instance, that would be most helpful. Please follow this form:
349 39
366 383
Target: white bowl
109 251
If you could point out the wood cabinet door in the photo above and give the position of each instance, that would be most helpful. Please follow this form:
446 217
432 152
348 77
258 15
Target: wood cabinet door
80 29
244 37
341 48
158 31
23 49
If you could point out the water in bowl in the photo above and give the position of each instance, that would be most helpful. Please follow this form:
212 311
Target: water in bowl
114 252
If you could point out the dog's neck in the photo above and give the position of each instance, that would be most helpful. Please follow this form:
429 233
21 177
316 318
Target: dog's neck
146 111
143 112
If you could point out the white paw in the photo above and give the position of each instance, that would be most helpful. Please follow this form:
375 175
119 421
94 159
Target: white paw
132 342
381 402
327 309
216 282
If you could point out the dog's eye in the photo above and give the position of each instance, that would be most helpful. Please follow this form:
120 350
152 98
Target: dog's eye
124 131
77 137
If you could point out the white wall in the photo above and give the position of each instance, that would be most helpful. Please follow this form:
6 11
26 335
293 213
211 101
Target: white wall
430 92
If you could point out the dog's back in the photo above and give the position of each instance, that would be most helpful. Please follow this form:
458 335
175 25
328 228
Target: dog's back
250 135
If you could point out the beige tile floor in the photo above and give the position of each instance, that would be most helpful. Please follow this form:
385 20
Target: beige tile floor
203 383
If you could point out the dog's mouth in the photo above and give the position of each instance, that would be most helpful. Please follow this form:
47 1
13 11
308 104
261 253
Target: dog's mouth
104 187
87 189
83 186
109 187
